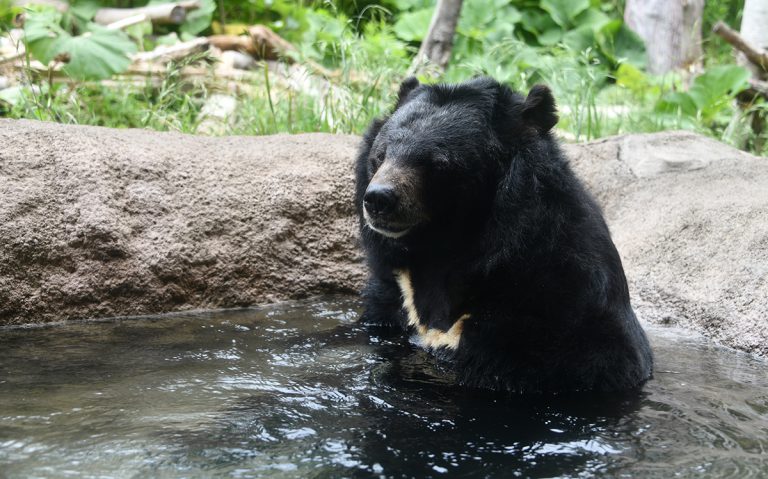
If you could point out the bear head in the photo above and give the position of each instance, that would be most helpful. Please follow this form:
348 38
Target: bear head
437 162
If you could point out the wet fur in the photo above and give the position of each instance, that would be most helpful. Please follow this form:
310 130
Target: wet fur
515 248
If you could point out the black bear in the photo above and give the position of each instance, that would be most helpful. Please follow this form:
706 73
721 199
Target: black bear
482 242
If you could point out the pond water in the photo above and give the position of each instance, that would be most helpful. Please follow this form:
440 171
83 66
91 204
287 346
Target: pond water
299 390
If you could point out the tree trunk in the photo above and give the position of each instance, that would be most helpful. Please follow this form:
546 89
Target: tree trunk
435 51
754 30
671 30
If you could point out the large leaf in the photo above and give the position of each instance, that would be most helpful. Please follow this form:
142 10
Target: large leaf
84 10
413 26
563 12
579 39
619 44
719 81
541 26
592 18
677 102
42 31
199 19
589 22
713 90
94 55
488 21
97 54
710 94
12 96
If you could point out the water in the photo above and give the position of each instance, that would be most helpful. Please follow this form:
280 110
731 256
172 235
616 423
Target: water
298 390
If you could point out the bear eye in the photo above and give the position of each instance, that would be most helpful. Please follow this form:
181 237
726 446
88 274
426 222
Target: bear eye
376 161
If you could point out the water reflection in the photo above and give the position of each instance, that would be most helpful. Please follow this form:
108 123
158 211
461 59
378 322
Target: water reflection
300 390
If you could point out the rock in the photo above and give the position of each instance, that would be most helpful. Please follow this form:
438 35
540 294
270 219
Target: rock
97 222
217 114
693 237
236 59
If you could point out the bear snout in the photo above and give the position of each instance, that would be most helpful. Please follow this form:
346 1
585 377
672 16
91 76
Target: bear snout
380 200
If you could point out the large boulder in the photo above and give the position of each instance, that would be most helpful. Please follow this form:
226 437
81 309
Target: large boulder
689 216
97 222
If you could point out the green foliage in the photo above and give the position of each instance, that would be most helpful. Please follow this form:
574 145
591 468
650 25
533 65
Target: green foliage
709 96
7 14
581 48
97 53
728 11
412 26
578 25
564 12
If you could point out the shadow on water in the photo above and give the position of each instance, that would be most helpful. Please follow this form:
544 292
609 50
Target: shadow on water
299 389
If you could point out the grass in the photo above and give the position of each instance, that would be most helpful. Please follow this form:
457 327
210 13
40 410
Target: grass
595 100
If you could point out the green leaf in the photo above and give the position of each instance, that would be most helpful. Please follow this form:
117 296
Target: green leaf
97 54
592 18
139 31
618 43
634 80
84 10
536 22
579 39
413 26
405 5
723 80
42 31
677 102
488 22
12 96
199 19
713 90
551 36
710 94
563 12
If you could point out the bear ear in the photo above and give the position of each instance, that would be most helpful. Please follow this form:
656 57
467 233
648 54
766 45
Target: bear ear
408 85
539 109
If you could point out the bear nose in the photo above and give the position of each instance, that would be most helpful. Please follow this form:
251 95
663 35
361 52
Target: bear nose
380 199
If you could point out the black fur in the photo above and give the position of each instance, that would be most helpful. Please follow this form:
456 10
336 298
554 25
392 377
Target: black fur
512 238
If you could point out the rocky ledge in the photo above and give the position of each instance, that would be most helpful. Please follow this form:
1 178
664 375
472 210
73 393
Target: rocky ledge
96 222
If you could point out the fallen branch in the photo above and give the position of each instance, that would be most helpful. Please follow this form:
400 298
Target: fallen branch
163 14
759 86
264 44
173 52
268 43
756 56
11 58
240 43
128 21
261 43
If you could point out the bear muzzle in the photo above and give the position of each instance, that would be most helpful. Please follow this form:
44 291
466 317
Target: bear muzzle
391 205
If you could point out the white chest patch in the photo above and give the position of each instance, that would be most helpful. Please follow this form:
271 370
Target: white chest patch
428 337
